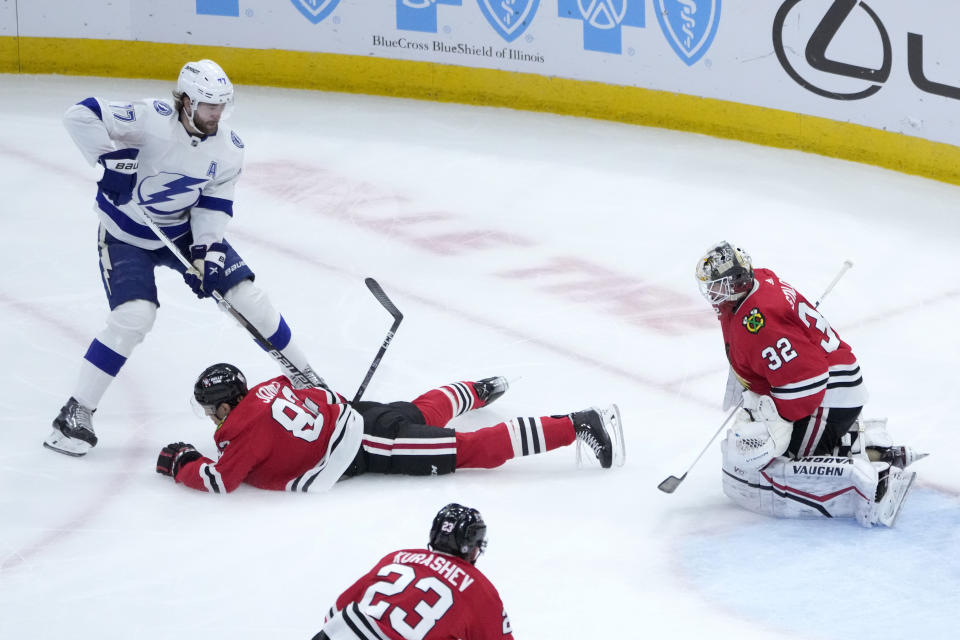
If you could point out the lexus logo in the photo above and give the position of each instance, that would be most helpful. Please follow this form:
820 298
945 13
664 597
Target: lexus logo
816 51
866 80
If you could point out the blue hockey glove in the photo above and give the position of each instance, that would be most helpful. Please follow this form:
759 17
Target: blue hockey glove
119 175
209 261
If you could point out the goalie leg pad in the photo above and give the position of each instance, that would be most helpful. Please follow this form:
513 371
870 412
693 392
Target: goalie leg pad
874 433
822 486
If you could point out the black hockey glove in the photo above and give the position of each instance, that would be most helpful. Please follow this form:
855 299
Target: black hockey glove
209 261
119 175
174 456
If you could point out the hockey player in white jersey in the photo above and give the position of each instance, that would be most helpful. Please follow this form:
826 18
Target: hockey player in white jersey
176 163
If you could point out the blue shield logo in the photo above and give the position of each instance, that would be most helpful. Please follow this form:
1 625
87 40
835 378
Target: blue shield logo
315 10
509 18
689 25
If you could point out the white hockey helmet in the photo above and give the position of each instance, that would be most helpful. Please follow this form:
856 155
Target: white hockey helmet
205 81
725 273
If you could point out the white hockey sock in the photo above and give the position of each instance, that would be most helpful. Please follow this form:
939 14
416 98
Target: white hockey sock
108 352
256 307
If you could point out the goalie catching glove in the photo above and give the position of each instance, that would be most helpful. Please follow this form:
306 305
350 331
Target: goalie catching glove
174 456
758 435
208 263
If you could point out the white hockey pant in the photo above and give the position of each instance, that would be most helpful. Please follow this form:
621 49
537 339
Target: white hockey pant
822 486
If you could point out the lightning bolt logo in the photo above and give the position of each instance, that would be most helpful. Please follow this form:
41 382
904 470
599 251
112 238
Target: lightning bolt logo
172 185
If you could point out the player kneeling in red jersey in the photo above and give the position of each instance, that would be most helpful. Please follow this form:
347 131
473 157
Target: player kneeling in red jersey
274 436
798 447
425 594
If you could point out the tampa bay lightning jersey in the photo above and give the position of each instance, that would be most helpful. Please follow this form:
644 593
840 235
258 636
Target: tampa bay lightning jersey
184 183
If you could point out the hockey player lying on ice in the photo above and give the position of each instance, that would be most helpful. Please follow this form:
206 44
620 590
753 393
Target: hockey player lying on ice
277 437
798 447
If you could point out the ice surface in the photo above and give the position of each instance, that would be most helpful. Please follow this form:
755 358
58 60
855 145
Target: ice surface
553 250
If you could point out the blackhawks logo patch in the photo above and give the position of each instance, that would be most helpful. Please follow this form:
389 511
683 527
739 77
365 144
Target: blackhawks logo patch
754 321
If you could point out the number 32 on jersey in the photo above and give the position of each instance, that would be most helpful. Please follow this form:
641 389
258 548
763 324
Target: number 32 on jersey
784 352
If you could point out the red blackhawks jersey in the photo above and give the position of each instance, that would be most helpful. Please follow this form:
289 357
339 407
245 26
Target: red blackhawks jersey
416 594
780 345
280 438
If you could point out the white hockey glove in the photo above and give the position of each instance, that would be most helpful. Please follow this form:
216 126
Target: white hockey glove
760 408
758 435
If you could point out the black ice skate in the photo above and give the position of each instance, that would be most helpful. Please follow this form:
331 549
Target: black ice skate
72 430
489 389
898 456
601 431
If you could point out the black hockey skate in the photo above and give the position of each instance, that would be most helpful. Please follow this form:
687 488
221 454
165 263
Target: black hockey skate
490 389
601 431
72 430
898 456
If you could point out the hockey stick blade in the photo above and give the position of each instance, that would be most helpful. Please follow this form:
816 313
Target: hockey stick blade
382 298
670 484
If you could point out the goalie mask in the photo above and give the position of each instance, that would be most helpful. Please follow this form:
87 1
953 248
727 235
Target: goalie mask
219 383
459 531
724 274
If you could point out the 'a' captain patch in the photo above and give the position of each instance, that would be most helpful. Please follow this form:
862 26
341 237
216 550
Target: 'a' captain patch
754 321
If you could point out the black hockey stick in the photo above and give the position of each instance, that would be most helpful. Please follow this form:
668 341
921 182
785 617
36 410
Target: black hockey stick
670 484
296 375
382 298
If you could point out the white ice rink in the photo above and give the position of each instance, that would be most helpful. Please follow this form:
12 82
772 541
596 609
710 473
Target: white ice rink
553 250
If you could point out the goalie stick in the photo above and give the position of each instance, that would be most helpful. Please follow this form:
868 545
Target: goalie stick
670 483
297 376
391 308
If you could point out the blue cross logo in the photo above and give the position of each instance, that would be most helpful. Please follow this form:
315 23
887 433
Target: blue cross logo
602 21
420 15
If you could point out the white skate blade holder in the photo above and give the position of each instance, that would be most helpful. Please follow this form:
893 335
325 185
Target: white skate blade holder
616 440
891 504
60 443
